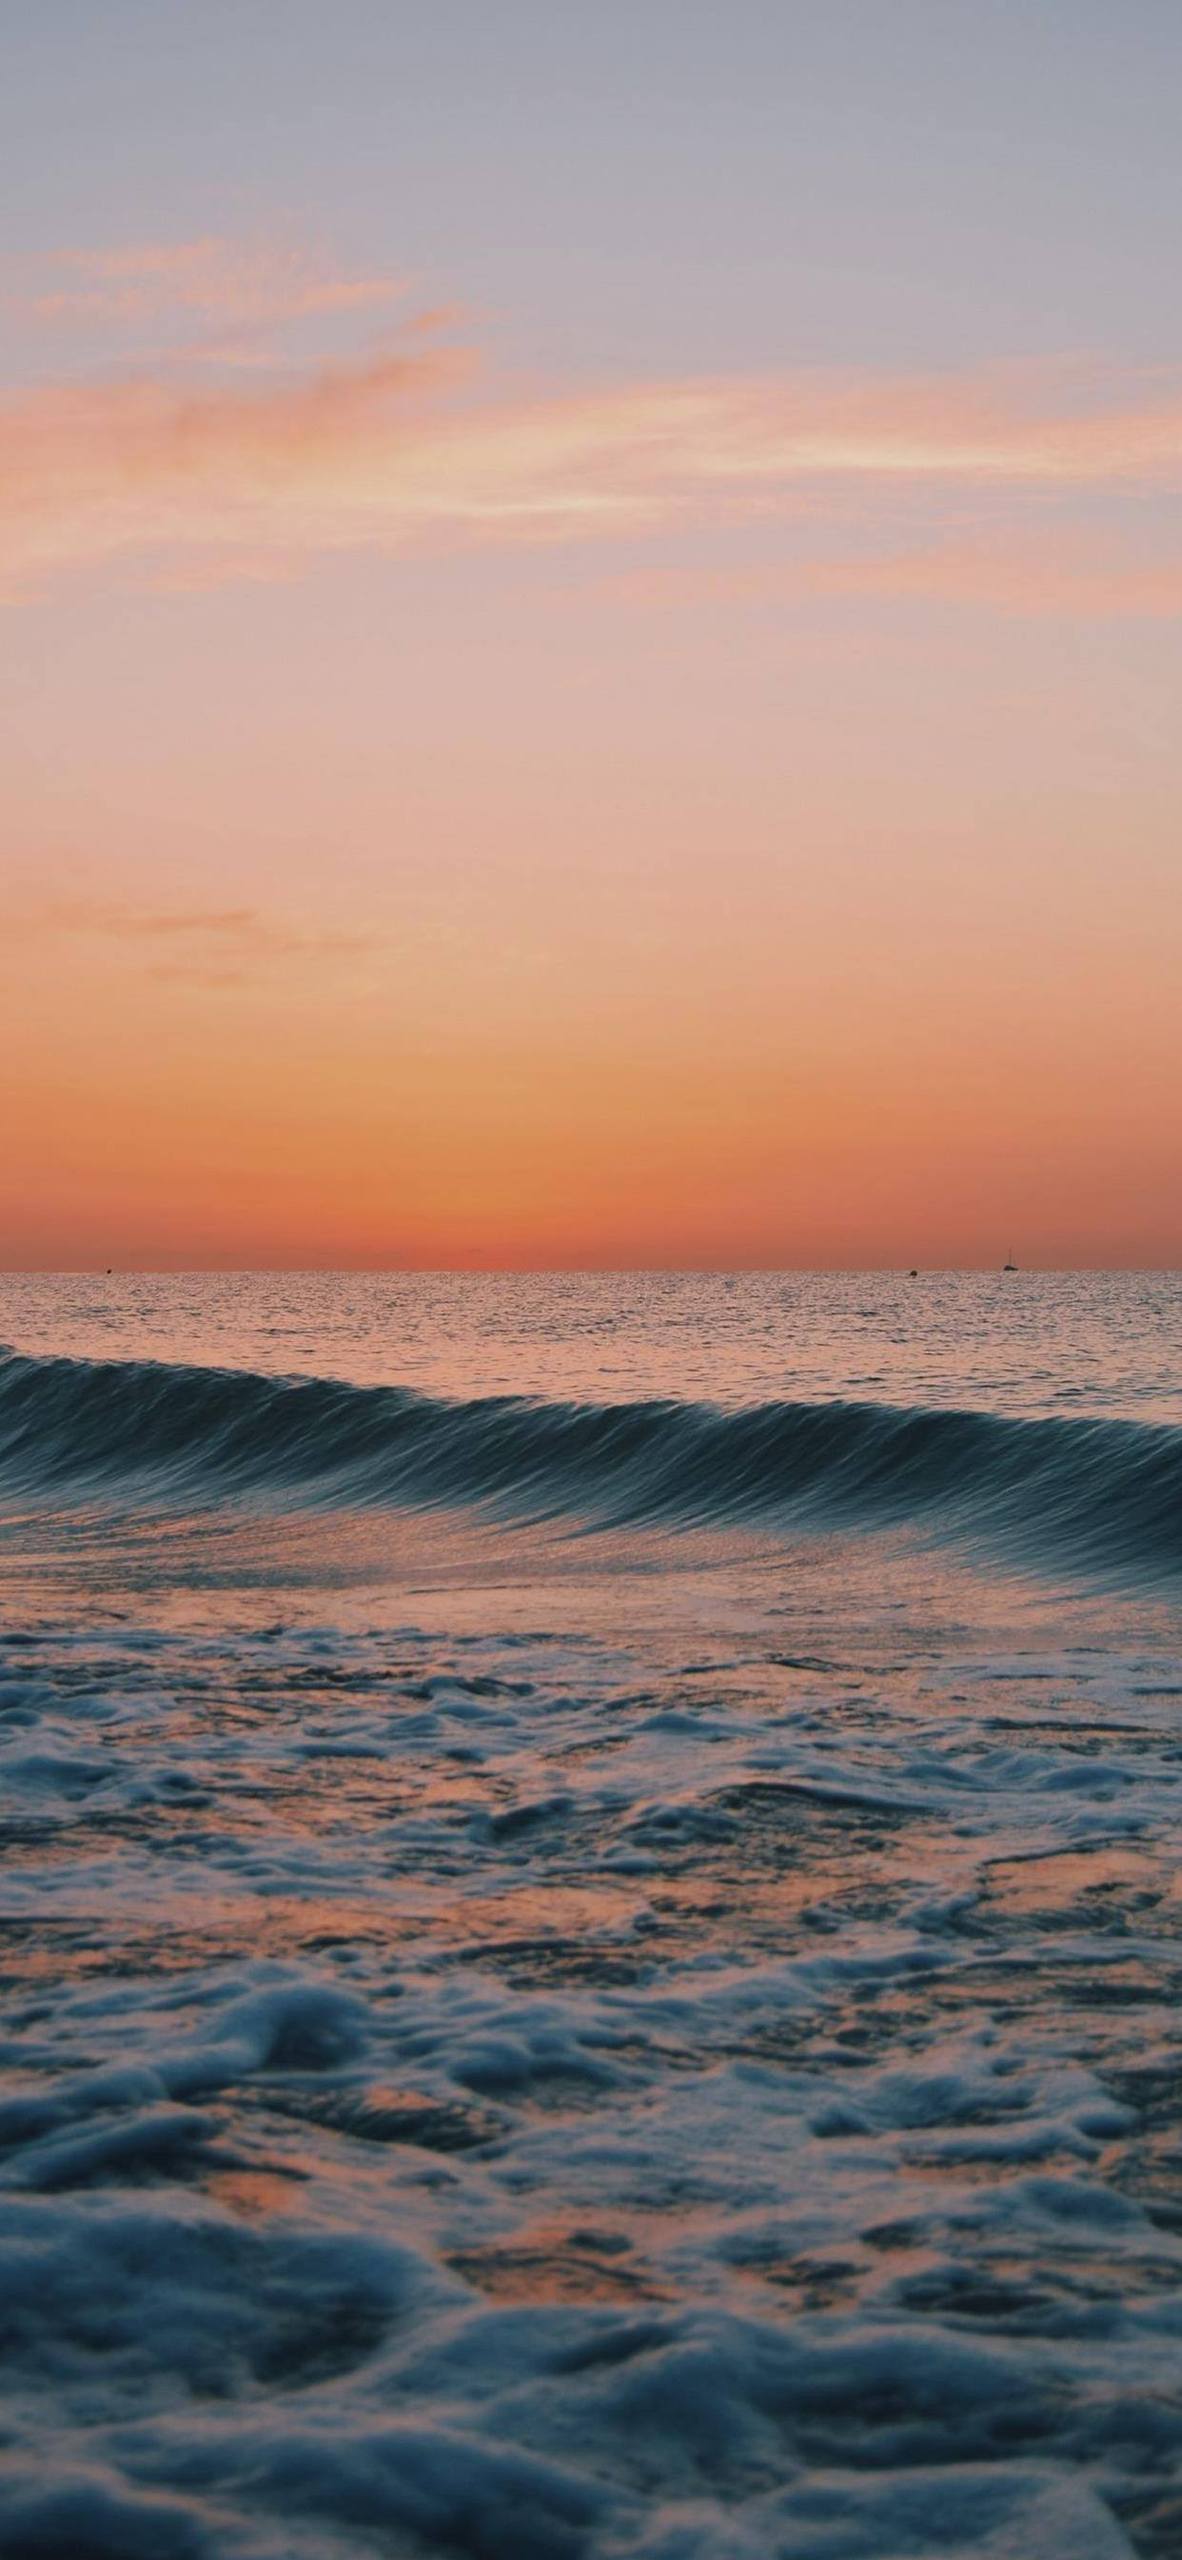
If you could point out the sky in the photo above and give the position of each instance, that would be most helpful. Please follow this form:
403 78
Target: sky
591 633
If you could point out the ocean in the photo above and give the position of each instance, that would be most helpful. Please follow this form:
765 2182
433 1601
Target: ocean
592 1916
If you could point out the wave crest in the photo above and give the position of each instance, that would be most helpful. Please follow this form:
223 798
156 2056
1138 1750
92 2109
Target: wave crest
1097 1494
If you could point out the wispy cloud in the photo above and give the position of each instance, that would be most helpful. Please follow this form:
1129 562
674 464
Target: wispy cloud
211 280
207 946
1051 575
1053 572
136 465
413 446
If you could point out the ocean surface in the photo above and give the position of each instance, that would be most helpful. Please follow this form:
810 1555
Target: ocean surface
591 1910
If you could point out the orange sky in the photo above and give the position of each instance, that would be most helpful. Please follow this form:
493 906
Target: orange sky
470 800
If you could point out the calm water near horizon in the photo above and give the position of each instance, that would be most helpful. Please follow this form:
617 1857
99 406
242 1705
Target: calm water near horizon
592 1915
1027 1342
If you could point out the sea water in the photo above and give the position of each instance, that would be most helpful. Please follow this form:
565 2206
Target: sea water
592 1916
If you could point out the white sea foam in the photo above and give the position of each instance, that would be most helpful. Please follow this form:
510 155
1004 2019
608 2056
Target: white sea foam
544 2094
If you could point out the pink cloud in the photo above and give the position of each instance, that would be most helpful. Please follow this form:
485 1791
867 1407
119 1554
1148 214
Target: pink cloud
211 279
204 946
1049 573
1053 576
409 448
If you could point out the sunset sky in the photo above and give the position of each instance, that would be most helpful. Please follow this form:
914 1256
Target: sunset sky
591 604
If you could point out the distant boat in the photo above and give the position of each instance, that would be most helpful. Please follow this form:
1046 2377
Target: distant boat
1011 1265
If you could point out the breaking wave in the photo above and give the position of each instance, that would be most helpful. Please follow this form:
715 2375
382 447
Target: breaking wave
1091 1494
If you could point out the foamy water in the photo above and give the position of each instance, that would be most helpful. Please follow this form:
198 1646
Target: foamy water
591 1946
